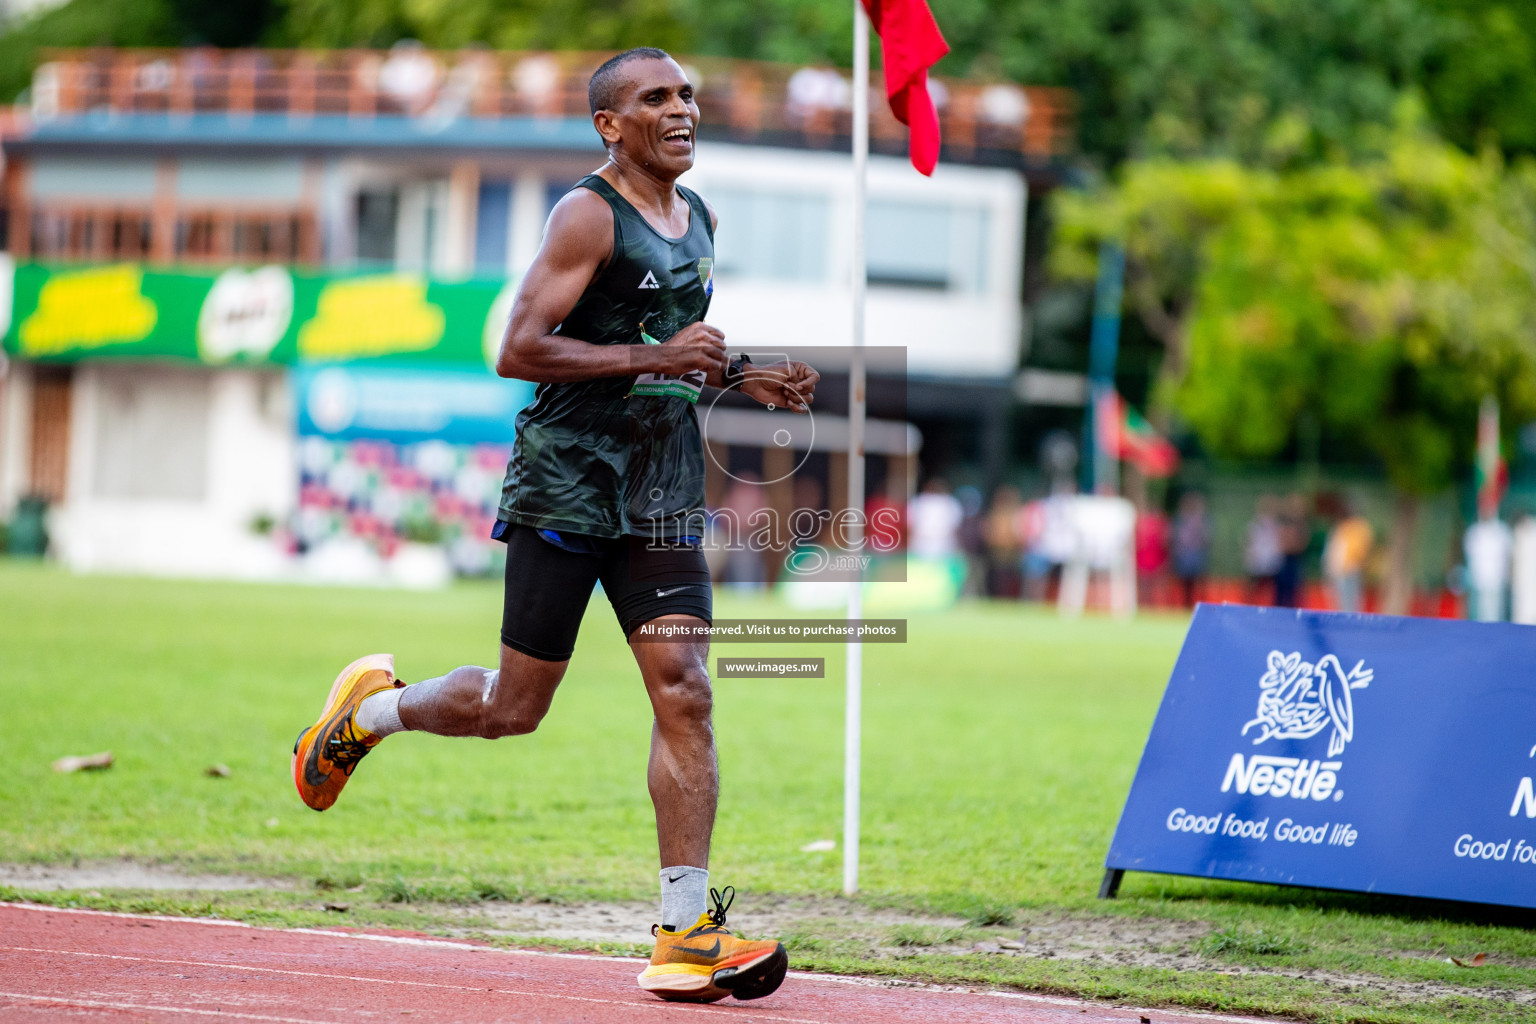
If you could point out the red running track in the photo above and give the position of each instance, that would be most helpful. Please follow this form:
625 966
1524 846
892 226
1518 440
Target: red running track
74 965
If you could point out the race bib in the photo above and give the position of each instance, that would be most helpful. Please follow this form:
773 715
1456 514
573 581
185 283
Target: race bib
665 385
689 385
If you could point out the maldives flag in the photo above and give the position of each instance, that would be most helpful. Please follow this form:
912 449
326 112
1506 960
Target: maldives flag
1490 473
1123 433
912 43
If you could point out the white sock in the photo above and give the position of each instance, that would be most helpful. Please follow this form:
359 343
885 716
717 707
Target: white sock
379 713
684 896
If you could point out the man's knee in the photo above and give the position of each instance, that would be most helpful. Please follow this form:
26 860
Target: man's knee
515 720
508 711
683 694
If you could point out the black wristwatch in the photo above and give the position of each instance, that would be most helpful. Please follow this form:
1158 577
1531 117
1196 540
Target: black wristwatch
736 370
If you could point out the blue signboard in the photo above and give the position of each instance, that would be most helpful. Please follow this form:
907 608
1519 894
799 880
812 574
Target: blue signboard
1359 752
406 405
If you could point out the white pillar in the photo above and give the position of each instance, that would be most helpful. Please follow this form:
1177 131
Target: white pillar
528 215
854 705
15 434
462 213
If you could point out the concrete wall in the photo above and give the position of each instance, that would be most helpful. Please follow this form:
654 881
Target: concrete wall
15 435
206 464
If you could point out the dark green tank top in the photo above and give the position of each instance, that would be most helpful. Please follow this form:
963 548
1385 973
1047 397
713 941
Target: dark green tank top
590 456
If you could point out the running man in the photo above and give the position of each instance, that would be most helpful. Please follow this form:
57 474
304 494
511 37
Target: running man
605 478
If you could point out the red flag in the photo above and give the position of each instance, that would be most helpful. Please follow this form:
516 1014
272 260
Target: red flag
912 43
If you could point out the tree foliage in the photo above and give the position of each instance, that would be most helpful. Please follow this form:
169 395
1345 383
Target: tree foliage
1480 80
1384 298
133 23
1163 213
502 24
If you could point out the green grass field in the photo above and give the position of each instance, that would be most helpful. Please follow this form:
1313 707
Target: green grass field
999 743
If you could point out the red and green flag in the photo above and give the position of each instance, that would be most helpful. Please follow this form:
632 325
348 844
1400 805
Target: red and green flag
1123 433
1490 472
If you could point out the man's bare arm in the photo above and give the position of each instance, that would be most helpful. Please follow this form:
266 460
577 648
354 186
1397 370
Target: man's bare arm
577 246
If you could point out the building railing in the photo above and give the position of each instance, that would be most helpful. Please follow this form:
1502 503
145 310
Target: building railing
193 235
749 101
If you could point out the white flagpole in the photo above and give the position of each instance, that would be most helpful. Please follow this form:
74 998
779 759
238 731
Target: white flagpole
854 711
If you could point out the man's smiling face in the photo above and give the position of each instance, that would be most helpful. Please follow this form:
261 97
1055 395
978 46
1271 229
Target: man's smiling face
655 120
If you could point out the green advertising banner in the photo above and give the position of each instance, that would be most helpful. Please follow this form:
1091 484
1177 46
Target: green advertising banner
248 315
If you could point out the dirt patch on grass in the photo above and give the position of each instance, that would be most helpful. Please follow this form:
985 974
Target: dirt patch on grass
751 915
1140 940
124 874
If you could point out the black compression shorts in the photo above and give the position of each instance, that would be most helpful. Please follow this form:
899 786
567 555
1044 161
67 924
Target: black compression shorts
548 586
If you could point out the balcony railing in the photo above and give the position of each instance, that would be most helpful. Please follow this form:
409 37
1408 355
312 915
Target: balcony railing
740 100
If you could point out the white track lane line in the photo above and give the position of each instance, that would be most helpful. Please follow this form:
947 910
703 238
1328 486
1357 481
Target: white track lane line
742 1013
98 1004
404 940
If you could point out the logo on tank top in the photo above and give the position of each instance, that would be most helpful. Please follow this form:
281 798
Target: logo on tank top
649 281
707 275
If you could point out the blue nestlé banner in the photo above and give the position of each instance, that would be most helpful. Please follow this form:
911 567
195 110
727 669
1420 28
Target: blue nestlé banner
1359 752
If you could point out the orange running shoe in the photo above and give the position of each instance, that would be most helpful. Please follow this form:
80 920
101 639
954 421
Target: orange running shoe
326 752
706 962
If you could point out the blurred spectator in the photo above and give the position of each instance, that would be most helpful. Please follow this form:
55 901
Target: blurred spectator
1262 555
1035 566
409 76
972 543
1522 604
1051 539
886 510
1294 538
815 89
1004 545
810 497
934 519
1191 545
1488 544
1152 535
808 526
744 567
1344 557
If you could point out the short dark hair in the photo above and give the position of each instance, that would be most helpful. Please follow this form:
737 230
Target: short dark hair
602 90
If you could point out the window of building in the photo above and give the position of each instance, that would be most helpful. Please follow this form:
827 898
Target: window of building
377 212
420 226
224 235
210 235
772 236
89 232
926 245
493 219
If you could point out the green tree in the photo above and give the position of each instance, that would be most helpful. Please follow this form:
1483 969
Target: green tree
1384 298
501 24
1163 213
1480 79
136 23
1203 77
